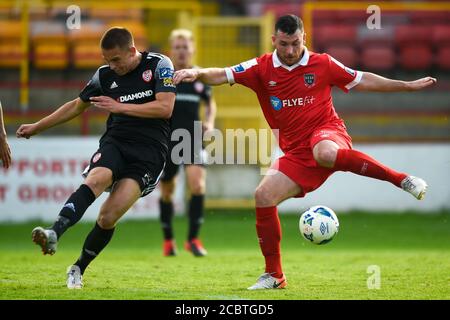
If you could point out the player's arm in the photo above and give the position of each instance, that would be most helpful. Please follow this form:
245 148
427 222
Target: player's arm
66 112
373 82
160 108
210 76
5 151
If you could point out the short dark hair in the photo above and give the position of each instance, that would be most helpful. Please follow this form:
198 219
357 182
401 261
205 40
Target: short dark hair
289 24
117 37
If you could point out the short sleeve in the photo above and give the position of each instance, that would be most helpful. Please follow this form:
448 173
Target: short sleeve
92 89
164 76
341 76
245 73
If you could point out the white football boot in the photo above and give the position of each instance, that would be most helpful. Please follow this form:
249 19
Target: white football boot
414 185
46 239
266 281
74 277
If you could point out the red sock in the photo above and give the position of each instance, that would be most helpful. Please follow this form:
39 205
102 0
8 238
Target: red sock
364 165
268 229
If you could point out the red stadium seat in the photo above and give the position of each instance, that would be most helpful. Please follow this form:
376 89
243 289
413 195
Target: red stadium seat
383 37
429 17
441 35
323 17
352 16
280 9
443 58
408 34
334 34
378 58
345 54
416 57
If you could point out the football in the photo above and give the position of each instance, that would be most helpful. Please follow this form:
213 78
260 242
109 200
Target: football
319 224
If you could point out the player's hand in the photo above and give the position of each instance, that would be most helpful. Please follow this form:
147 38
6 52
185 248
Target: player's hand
5 152
106 103
185 75
420 83
27 131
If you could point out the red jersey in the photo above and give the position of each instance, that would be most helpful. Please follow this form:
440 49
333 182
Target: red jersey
295 99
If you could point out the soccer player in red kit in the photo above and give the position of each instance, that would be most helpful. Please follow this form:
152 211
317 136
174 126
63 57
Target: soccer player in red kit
293 86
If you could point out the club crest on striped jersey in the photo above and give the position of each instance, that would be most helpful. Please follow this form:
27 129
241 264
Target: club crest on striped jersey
147 75
310 79
198 86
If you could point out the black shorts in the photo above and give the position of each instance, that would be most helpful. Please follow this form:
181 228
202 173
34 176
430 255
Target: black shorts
198 158
142 163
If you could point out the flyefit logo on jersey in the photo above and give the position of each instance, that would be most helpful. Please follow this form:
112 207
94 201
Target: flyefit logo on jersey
278 104
134 96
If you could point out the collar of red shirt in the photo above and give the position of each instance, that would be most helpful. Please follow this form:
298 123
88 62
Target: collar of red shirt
303 61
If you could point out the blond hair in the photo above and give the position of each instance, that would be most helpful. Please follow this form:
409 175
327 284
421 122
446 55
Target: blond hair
181 33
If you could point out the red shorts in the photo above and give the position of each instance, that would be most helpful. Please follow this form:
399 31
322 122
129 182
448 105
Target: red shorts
300 165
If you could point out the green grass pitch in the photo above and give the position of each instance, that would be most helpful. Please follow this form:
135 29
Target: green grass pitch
411 250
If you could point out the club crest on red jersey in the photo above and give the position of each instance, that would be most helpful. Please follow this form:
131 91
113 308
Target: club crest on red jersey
310 79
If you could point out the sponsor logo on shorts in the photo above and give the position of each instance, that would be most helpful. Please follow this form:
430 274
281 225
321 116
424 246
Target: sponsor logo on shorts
96 157
147 75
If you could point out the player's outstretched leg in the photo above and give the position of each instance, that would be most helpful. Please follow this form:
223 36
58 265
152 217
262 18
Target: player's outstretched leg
70 214
73 210
362 164
328 154
125 193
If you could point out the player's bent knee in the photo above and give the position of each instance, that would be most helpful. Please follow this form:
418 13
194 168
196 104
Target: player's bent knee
167 188
98 180
106 221
264 197
166 197
198 188
325 157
